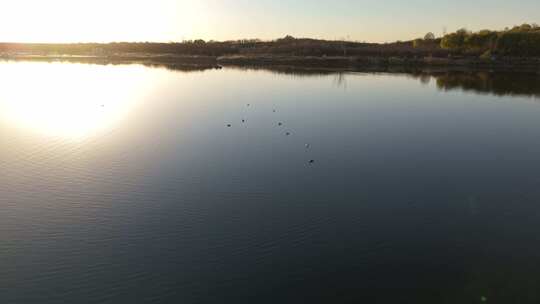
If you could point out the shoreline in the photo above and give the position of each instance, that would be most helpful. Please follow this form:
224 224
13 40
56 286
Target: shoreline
360 63
333 63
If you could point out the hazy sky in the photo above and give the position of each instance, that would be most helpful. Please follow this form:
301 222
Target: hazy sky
175 20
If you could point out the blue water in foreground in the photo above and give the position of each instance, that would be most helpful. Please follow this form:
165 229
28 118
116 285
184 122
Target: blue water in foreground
124 184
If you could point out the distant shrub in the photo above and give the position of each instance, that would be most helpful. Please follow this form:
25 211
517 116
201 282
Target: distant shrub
287 38
426 44
455 40
483 40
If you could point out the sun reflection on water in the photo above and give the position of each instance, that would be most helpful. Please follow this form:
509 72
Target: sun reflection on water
71 101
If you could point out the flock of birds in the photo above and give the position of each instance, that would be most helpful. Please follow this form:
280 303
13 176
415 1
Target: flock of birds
280 124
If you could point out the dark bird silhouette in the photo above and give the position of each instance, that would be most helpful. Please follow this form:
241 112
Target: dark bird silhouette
229 125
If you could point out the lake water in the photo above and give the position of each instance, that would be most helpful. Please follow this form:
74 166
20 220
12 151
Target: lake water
124 184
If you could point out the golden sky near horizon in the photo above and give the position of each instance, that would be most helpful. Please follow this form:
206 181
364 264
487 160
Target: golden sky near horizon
98 20
176 20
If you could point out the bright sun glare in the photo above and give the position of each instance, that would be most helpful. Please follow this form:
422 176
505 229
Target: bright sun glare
95 21
68 100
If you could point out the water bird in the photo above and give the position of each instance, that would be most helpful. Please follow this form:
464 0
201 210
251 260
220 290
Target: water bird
229 125
312 161
308 146
280 124
288 133
248 104
274 111
243 120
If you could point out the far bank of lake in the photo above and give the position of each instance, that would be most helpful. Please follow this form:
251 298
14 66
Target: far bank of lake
347 63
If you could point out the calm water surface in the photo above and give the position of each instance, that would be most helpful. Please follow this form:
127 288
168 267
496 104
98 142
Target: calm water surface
124 184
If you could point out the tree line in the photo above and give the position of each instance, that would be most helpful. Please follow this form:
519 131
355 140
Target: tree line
523 40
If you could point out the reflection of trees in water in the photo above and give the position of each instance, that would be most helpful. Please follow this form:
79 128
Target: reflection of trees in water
178 67
425 79
182 67
288 71
340 80
339 77
499 83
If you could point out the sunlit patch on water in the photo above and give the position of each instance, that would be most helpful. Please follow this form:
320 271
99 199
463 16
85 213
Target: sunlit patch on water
79 101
